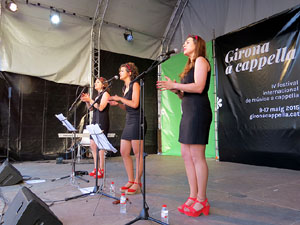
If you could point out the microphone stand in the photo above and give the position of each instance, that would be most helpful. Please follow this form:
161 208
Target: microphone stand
144 215
8 123
74 172
73 104
96 187
77 173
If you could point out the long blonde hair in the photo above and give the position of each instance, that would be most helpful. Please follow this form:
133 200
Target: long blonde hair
200 50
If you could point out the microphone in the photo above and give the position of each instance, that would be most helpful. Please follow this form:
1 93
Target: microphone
84 88
116 77
78 97
174 51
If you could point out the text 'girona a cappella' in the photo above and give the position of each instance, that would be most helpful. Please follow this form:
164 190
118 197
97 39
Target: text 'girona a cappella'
255 58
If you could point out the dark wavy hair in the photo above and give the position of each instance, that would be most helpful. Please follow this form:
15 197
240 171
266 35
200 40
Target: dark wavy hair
131 67
103 81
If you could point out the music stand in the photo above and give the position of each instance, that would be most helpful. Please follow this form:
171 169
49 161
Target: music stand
103 145
72 129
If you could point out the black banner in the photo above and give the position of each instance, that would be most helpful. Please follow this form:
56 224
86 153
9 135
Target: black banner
258 83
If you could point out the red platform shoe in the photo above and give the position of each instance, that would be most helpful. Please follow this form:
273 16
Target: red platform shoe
100 173
194 213
125 188
132 191
93 173
183 206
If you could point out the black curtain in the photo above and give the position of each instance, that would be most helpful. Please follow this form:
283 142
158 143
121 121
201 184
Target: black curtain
34 102
33 125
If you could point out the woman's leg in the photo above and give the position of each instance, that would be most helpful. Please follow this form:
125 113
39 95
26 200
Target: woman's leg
137 146
138 151
101 159
125 149
94 149
190 171
198 156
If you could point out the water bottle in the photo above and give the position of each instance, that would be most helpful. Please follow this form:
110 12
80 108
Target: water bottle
112 189
164 214
123 203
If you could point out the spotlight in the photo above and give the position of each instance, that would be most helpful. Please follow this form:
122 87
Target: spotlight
11 5
128 35
54 17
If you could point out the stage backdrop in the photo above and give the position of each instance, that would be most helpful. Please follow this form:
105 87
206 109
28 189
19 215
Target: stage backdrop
171 107
258 92
33 132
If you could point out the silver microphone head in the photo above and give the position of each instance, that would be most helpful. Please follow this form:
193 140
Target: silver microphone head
173 51
116 77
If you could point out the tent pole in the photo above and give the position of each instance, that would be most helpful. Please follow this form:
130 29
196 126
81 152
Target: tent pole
215 94
167 37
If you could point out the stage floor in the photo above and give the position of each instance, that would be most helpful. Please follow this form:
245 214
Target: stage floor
238 194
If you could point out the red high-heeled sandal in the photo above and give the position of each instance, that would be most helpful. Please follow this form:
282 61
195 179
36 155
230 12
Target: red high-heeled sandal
93 173
131 191
181 208
100 173
194 213
124 188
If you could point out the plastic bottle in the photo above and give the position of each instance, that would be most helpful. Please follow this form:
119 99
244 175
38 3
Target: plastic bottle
123 203
112 189
164 214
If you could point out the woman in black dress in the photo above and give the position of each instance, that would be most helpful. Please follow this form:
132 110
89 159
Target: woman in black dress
130 136
101 117
195 122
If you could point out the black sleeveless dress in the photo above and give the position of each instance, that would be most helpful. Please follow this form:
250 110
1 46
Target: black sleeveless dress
101 117
131 130
196 114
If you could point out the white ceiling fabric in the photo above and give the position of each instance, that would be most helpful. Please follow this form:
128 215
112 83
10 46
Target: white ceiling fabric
146 18
30 45
213 18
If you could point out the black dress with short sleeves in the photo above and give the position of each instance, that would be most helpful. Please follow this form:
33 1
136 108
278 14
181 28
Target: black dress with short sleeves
131 130
196 114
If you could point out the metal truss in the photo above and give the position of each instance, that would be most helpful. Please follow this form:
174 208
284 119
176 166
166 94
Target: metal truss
96 37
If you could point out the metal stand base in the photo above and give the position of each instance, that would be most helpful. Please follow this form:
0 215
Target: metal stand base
78 175
95 191
74 173
144 215
96 187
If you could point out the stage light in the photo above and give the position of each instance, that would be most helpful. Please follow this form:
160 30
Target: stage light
128 35
55 17
11 5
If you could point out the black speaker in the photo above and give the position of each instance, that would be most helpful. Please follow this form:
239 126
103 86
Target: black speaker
28 209
9 175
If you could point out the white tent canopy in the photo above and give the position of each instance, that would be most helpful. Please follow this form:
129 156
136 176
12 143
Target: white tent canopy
213 18
31 45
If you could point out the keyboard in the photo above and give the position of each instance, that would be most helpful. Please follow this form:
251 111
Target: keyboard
71 135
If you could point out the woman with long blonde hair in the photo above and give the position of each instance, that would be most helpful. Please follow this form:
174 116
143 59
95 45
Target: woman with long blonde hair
195 122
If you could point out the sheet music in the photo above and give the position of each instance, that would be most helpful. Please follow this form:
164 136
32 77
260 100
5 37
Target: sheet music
65 122
100 138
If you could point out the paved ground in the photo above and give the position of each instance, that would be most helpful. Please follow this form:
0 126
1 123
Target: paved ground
238 194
